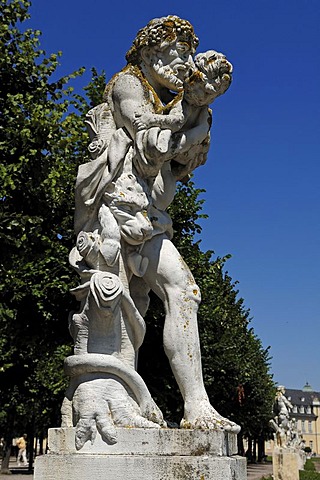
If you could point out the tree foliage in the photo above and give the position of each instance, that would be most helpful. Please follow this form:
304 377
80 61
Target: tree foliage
42 142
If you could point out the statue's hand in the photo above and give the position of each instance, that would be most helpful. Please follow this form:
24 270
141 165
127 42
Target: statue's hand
157 142
139 125
195 157
153 146
144 121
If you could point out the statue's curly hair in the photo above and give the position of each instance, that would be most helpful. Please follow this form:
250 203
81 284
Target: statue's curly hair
162 32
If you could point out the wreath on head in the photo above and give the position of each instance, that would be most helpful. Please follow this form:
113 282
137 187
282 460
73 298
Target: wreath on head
162 32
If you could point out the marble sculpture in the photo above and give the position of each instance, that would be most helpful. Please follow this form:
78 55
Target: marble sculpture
151 130
286 433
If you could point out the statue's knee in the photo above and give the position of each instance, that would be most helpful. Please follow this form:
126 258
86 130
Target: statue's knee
185 292
193 293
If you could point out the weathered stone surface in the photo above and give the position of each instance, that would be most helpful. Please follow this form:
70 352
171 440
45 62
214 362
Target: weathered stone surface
153 454
135 441
95 467
286 463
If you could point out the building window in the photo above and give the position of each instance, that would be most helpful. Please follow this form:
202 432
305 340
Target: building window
311 445
301 409
295 409
309 426
303 426
308 409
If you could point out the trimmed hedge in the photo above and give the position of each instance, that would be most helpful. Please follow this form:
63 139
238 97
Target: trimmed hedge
308 475
309 466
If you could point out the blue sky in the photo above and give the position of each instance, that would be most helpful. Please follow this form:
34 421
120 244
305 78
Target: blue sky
262 175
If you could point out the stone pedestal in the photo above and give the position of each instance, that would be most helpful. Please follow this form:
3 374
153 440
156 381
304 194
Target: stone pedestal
286 463
164 454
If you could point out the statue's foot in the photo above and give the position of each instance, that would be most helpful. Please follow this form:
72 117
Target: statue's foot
202 415
103 404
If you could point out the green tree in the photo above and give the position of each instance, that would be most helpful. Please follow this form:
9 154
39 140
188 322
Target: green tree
42 142
236 366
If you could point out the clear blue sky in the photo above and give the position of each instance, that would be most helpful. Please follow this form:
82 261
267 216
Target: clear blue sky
262 176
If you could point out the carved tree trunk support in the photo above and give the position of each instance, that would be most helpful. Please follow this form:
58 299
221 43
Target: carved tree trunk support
172 454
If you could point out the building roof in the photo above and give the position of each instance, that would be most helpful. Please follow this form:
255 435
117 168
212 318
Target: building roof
302 397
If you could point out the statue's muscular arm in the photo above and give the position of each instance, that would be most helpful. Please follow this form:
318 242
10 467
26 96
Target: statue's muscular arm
131 101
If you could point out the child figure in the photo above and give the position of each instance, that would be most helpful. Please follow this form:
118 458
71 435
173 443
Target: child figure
210 79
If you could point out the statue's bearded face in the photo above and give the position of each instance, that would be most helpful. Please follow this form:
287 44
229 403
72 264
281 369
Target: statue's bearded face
170 65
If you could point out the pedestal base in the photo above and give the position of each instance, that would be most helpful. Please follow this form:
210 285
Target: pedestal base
164 454
286 464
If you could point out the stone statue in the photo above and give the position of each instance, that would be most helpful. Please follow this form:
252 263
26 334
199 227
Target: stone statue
151 130
282 424
288 457
295 438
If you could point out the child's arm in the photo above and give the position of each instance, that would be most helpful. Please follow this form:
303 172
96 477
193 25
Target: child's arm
173 120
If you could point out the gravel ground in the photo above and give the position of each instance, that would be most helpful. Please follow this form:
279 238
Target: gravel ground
17 473
258 470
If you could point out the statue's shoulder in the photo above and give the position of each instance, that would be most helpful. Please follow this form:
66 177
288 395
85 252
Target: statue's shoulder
128 76
131 82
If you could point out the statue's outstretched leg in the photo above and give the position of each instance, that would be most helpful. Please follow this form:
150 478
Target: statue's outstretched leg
170 278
